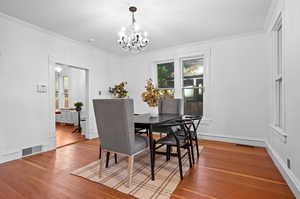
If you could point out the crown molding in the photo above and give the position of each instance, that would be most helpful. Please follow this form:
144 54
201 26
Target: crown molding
49 32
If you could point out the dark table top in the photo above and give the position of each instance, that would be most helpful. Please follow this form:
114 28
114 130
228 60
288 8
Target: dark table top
147 119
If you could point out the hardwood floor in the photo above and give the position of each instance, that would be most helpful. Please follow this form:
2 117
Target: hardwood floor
64 135
223 171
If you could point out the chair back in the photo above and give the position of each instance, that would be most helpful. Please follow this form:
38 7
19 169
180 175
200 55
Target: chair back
169 106
114 119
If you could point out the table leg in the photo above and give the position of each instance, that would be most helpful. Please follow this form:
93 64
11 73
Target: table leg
151 152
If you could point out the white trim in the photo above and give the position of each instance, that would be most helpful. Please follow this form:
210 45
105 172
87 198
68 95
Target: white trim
287 174
92 134
280 132
51 145
48 32
206 56
232 139
7 157
275 10
51 82
17 153
270 14
278 21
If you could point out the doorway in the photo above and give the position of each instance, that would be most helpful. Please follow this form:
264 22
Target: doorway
70 92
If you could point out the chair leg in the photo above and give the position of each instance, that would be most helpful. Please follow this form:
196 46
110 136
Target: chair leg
100 151
192 148
130 170
168 151
116 159
101 164
107 159
179 161
197 145
189 156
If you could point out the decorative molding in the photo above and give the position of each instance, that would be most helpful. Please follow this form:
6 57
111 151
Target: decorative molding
51 144
279 132
6 157
92 134
17 154
233 139
287 174
270 14
195 46
47 32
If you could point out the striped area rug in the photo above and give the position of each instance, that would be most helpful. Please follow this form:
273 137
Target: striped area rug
115 176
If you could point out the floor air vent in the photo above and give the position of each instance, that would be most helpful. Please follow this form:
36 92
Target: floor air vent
31 150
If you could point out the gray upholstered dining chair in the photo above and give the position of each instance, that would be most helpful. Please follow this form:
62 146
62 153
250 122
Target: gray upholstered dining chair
114 119
169 106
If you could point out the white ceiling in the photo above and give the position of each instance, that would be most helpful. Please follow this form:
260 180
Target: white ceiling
168 22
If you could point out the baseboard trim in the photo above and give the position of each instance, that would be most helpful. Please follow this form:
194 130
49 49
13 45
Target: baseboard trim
287 174
232 139
91 135
7 157
17 153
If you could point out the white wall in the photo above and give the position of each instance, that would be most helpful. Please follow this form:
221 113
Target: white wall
280 147
24 54
237 106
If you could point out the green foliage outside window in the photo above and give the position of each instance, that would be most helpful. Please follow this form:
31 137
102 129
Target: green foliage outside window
165 75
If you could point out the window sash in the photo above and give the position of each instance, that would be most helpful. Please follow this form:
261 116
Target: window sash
279 50
278 78
279 103
193 91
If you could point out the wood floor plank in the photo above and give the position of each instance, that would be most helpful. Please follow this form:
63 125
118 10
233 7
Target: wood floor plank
223 171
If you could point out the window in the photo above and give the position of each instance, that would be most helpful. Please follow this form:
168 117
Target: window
165 78
278 78
193 72
57 90
66 91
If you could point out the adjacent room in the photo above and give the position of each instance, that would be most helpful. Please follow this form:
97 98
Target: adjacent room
150 99
70 97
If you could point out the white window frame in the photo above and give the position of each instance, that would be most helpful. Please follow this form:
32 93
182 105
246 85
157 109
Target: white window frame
178 77
205 54
278 77
182 59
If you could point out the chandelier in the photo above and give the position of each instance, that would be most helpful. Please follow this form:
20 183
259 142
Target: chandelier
131 38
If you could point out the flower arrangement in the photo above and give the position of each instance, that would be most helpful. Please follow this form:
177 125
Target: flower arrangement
151 95
119 90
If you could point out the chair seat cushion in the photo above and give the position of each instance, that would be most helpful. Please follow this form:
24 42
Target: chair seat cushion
170 140
141 142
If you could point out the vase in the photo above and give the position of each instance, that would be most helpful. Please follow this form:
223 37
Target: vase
153 112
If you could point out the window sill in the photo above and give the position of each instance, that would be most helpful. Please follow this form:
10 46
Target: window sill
279 131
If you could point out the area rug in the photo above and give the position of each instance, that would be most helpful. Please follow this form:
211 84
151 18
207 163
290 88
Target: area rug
167 175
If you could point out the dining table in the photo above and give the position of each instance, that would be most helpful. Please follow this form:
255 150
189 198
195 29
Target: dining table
146 121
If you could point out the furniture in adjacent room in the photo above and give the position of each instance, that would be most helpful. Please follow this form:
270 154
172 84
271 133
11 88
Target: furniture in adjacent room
66 116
